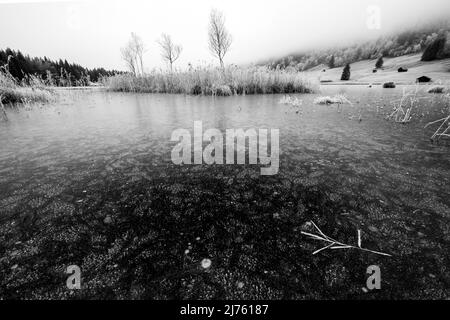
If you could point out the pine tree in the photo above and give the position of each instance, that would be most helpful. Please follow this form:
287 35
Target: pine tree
346 73
434 49
379 63
331 63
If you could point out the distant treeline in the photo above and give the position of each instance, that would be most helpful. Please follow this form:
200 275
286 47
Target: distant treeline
58 73
435 36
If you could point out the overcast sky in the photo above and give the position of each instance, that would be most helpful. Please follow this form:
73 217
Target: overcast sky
91 33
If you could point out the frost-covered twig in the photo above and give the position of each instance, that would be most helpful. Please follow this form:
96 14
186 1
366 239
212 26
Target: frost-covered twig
334 244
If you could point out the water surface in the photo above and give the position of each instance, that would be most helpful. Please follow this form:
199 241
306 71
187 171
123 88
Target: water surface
89 181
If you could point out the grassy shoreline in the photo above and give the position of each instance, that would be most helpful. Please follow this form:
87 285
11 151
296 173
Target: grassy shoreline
207 81
11 91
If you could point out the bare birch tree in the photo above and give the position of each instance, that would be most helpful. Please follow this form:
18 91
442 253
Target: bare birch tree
170 52
218 36
133 53
139 49
128 57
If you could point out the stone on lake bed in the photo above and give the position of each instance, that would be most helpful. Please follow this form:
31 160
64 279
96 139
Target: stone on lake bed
307 225
136 250
206 263
108 220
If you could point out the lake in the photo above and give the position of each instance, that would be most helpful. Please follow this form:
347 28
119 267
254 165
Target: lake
89 181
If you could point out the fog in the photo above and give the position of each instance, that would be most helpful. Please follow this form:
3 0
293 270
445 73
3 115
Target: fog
91 33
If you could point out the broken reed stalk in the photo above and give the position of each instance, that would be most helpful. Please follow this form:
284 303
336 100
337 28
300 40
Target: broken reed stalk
438 133
334 244
399 114
343 100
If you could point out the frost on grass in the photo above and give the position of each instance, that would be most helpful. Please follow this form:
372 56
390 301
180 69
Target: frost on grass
337 99
13 92
212 81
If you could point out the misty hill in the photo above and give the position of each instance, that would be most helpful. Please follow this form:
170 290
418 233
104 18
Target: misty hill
413 41
362 71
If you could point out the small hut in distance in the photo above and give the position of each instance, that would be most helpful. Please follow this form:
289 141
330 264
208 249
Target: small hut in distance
389 85
423 79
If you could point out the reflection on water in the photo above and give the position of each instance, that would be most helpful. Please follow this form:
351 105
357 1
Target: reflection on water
108 154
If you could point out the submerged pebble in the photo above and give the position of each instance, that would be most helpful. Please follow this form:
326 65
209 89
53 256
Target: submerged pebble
206 263
107 220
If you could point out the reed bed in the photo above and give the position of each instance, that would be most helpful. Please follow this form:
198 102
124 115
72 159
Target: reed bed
213 81
32 89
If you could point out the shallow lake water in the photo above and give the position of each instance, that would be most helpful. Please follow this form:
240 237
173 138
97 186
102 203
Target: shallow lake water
89 181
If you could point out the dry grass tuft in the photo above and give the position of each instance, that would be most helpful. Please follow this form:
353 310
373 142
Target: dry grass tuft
337 99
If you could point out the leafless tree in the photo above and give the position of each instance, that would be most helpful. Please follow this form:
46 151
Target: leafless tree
170 52
128 57
133 53
139 49
219 38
